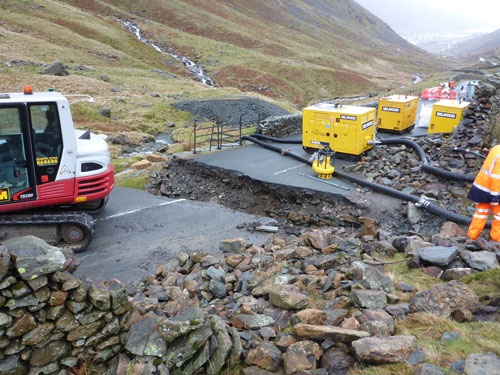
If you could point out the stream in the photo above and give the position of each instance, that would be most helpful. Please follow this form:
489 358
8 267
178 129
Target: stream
195 69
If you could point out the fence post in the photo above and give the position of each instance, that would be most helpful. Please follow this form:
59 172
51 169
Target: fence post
219 138
212 136
194 141
241 125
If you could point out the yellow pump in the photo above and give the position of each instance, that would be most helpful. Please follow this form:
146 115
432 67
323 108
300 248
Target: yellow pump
323 163
397 113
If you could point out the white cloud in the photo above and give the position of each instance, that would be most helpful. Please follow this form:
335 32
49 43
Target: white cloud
434 16
480 11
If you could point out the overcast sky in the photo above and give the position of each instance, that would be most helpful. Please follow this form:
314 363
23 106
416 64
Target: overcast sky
410 17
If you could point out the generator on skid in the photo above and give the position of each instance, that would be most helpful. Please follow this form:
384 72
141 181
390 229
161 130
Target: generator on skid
345 129
397 113
446 115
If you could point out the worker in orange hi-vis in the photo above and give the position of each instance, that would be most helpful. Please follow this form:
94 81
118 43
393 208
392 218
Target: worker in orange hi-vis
485 191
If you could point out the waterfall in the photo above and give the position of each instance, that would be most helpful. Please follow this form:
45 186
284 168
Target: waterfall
191 65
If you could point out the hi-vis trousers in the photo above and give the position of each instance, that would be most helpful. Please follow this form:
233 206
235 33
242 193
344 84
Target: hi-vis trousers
480 218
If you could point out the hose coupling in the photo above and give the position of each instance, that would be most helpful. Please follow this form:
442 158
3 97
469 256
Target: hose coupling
285 151
423 202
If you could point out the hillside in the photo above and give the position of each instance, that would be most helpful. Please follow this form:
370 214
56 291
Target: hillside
292 50
485 46
296 51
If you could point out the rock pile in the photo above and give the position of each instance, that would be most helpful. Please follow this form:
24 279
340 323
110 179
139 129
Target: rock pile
50 321
281 126
314 304
318 303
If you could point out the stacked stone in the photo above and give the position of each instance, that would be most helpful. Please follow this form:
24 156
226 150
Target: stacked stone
281 126
315 302
50 321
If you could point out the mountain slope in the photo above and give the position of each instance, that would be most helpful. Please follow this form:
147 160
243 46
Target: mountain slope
295 46
486 46
296 51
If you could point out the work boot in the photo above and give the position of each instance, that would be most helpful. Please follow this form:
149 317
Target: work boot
472 245
490 245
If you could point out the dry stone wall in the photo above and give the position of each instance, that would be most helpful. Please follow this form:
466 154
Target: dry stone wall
50 321
281 126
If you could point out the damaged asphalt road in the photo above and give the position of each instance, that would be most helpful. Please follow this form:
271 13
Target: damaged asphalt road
137 232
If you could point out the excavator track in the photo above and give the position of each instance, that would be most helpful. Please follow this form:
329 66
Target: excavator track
69 230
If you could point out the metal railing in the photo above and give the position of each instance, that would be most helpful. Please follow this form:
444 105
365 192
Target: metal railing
219 134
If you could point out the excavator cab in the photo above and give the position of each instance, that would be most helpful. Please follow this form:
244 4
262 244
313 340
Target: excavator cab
16 177
46 163
30 149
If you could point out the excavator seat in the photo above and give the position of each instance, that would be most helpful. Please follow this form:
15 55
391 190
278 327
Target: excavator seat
10 174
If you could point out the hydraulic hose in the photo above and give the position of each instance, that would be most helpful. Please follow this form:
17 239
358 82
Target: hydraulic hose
425 166
419 201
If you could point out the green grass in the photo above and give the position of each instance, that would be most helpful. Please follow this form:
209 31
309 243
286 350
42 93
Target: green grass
137 182
476 337
398 271
486 284
121 164
294 58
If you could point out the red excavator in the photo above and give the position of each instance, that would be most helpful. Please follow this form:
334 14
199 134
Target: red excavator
52 176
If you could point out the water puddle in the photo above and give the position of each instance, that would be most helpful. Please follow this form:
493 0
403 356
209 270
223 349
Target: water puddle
161 142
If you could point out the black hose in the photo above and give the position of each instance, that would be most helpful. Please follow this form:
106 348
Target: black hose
460 149
408 142
425 166
274 139
447 174
274 148
421 202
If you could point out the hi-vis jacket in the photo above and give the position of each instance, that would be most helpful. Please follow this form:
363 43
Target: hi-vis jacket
486 186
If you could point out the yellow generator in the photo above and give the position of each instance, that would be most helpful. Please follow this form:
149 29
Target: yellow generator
397 113
446 115
345 129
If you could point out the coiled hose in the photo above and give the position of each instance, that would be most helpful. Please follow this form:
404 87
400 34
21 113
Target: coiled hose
419 201
425 166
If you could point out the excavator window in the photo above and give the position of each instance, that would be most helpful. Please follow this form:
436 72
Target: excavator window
13 165
47 131
47 136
